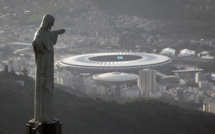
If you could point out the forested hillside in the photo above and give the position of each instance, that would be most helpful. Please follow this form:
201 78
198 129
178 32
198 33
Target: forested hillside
180 20
179 17
152 9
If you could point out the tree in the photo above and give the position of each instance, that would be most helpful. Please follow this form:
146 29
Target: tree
25 72
6 68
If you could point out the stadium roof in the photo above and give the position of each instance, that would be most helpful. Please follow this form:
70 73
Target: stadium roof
115 61
115 77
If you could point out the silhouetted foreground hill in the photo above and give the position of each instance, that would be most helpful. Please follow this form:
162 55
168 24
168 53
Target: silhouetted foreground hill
3 131
88 116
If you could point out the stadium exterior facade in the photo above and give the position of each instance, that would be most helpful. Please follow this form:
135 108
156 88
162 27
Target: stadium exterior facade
115 61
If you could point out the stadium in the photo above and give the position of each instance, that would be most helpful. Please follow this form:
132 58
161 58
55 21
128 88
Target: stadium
115 61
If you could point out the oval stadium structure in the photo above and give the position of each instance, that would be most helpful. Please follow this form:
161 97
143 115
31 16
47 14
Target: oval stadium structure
116 61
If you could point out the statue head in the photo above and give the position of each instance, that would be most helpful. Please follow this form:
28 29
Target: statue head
47 22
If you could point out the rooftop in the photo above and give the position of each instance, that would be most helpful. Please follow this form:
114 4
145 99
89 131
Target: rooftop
115 61
115 77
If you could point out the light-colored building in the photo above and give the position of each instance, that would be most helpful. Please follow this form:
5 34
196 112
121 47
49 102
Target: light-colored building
207 57
67 78
209 106
203 53
198 77
192 94
1 56
147 81
130 92
164 79
213 76
168 51
155 95
211 86
203 84
186 52
117 83
17 64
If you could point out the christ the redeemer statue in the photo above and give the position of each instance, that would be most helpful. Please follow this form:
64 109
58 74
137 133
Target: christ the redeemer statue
43 42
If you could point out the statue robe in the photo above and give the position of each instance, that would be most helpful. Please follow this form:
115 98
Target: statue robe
44 56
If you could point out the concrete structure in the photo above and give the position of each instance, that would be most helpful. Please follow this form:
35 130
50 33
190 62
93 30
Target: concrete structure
211 86
65 78
1 56
191 94
115 77
130 93
207 57
186 52
186 73
209 106
168 51
213 76
203 84
198 77
204 53
147 81
164 79
17 64
108 62
116 83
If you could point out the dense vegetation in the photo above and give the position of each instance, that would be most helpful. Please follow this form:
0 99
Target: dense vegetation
152 9
180 20
3 131
88 116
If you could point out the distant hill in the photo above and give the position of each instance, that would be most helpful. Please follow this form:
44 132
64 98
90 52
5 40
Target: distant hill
151 9
179 19
88 116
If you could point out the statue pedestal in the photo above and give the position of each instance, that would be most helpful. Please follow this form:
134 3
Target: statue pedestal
51 127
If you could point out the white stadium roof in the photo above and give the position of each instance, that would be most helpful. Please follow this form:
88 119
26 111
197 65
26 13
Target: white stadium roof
115 77
119 61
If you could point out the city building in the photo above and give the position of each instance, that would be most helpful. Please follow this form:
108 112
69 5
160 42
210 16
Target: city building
1 56
209 105
168 51
17 64
203 84
204 53
207 57
147 81
198 77
186 52
164 79
118 84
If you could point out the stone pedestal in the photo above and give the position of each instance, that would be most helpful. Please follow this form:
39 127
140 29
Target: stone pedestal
51 127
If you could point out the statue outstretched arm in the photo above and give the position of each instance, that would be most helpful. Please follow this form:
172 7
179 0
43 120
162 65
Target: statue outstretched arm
62 31
55 34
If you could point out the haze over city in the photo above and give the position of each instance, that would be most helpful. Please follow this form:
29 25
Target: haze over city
122 66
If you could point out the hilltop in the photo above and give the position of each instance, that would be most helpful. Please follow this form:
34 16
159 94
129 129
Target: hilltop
178 17
152 9
94 116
